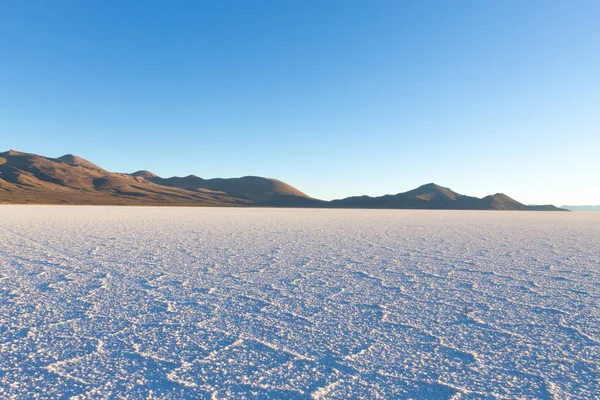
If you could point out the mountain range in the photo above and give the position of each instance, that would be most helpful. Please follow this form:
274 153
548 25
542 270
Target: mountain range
33 179
582 208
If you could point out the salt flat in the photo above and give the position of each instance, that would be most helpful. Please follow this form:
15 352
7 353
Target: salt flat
116 302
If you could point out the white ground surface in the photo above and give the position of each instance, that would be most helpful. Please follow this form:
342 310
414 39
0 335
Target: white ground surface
110 302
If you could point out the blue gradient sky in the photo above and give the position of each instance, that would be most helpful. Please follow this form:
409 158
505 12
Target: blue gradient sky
337 98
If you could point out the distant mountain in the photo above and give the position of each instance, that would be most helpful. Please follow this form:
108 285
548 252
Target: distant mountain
582 208
500 201
30 178
426 196
435 197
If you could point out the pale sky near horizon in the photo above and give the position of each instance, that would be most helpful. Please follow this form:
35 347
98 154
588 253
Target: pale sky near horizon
337 98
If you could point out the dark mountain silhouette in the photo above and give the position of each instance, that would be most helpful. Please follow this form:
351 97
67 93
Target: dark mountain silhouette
500 201
435 197
30 178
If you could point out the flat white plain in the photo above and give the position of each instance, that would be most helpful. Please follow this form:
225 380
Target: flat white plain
128 302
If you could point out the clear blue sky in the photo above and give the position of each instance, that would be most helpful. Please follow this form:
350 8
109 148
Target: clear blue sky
337 98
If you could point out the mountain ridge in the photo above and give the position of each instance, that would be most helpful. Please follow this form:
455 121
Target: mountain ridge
435 197
27 178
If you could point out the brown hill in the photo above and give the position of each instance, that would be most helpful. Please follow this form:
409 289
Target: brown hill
74 160
256 189
145 174
30 178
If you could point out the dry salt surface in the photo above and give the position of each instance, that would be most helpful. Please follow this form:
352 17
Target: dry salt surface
127 302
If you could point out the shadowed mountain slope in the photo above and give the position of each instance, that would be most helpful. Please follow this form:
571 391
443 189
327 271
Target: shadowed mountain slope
257 189
435 197
30 178
500 201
